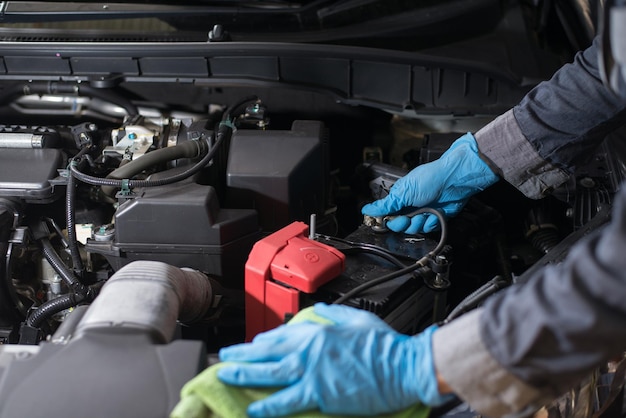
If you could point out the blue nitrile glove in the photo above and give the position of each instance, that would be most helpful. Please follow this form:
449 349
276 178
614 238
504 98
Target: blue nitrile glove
359 366
445 184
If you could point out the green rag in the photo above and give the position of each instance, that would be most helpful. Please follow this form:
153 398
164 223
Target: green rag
205 396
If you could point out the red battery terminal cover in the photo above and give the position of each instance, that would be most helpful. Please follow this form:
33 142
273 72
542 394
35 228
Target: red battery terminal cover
281 266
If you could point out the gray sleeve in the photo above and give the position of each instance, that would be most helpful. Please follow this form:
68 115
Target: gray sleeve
464 362
537 340
537 144
507 151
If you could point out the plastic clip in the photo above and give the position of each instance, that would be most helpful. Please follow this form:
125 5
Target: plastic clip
228 123
125 188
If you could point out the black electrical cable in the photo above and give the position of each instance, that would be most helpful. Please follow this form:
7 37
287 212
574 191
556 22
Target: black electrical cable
57 229
478 296
188 149
355 247
409 269
70 217
363 247
374 251
99 181
443 224
375 282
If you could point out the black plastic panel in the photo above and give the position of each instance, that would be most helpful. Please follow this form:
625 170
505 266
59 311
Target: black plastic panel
379 78
181 67
37 65
255 67
329 73
460 88
279 172
112 65
382 82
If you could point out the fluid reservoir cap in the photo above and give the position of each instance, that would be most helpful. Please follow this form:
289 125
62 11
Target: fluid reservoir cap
103 233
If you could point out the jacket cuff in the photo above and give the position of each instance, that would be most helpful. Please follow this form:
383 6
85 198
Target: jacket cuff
463 361
505 148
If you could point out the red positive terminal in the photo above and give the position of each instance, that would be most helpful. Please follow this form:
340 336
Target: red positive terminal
279 268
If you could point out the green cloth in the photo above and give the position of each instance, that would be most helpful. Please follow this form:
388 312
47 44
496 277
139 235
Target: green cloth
205 396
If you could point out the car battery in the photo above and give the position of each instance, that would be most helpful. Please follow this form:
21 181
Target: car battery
287 272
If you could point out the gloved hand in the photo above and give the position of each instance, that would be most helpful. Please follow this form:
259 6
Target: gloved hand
359 366
445 184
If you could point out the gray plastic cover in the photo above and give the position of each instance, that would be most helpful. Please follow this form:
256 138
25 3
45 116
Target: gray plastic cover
26 173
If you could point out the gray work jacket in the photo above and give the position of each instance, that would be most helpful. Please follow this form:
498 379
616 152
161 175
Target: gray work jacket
530 343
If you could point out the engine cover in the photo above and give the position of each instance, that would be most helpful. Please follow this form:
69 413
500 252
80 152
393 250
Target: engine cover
105 373
27 173
182 225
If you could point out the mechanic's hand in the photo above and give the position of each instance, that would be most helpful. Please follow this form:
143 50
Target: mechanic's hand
445 184
360 366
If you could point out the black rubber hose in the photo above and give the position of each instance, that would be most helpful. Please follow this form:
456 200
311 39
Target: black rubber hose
57 264
224 131
98 181
51 307
188 149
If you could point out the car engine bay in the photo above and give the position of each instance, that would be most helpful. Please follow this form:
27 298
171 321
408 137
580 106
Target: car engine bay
159 202
85 206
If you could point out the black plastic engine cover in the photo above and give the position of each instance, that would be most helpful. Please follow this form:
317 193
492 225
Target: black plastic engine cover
102 374
182 225
281 173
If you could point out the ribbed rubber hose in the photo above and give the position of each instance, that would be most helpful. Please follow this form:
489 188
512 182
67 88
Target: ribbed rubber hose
51 307
57 264
70 218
